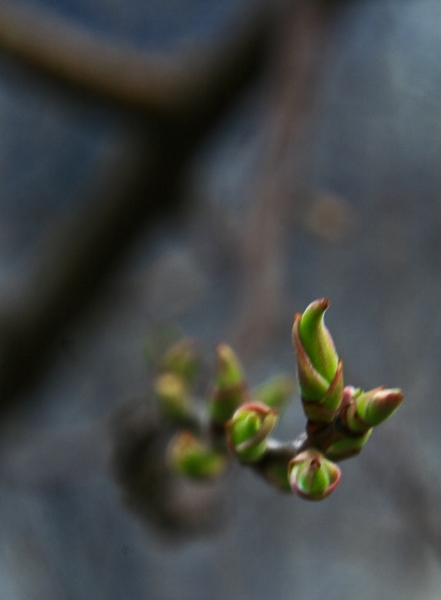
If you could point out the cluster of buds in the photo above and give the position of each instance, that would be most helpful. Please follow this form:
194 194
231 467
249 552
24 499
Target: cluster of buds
246 416
239 421
235 420
340 419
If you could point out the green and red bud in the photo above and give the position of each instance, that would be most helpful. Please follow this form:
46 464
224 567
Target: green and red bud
229 391
312 476
320 371
189 456
317 340
173 397
369 409
348 447
275 392
229 371
248 430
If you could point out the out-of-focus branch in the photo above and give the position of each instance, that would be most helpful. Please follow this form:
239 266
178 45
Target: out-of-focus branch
176 104
138 459
162 85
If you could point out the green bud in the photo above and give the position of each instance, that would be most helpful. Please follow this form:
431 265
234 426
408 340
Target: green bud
348 447
275 392
229 391
249 429
229 371
313 386
312 476
326 409
320 371
190 457
173 397
181 359
369 409
316 340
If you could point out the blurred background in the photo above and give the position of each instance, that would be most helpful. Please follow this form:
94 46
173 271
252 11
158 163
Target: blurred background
213 166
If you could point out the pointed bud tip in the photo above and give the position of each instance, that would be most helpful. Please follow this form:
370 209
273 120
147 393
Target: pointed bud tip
173 397
369 409
311 337
320 304
228 367
383 404
224 352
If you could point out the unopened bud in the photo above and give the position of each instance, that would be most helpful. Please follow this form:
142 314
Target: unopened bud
249 429
275 392
181 359
317 340
229 391
189 456
312 476
229 371
368 409
173 397
320 371
348 446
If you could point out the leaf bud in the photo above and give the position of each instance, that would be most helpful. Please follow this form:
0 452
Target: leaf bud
173 397
312 476
189 456
248 430
181 359
229 391
348 447
369 409
319 369
275 392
